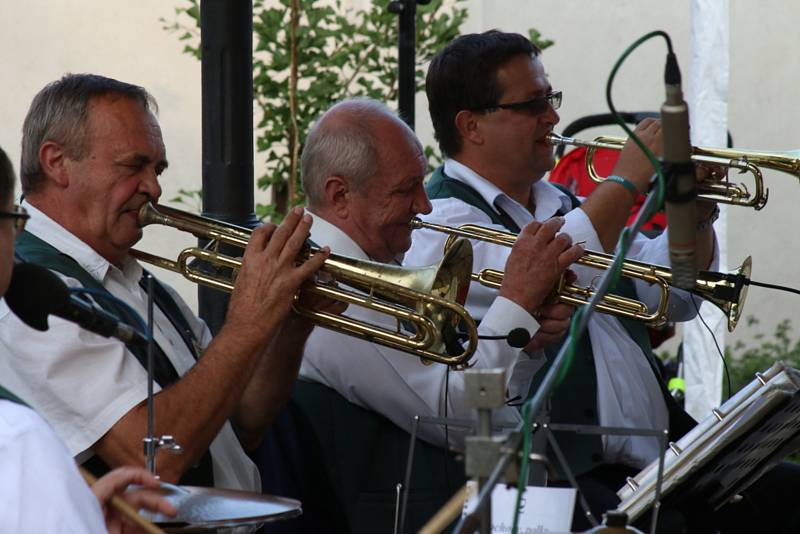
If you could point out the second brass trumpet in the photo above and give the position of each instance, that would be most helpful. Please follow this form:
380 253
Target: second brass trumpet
727 291
723 191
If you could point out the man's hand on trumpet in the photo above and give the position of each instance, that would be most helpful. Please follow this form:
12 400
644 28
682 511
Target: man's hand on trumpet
270 275
539 258
260 310
609 205
706 209
633 164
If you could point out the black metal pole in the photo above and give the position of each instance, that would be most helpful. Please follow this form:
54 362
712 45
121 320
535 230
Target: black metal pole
406 59
226 33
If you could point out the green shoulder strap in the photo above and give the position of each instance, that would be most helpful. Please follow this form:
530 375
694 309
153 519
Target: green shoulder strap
7 395
30 248
442 186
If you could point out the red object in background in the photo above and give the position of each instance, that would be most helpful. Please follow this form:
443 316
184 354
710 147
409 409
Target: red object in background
571 173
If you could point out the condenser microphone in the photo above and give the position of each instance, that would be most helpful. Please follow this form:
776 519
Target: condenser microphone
35 293
681 184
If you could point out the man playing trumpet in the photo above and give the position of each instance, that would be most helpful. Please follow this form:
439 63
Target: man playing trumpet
492 130
92 153
363 172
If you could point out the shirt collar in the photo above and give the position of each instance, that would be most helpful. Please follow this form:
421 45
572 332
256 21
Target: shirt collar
549 199
324 233
49 231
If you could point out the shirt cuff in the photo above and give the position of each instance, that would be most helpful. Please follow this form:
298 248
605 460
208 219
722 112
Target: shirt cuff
504 315
579 227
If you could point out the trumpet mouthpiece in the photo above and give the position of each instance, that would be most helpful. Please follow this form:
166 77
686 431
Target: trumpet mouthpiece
555 139
415 223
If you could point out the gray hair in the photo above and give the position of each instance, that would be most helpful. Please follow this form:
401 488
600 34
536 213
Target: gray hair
59 113
343 143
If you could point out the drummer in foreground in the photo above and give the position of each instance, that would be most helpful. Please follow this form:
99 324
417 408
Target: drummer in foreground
92 153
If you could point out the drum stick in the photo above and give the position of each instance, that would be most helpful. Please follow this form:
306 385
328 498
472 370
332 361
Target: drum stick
446 513
124 508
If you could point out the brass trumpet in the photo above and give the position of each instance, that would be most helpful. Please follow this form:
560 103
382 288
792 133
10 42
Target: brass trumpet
727 291
429 299
745 161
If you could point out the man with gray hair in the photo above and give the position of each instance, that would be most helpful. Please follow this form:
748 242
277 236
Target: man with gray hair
363 172
92 155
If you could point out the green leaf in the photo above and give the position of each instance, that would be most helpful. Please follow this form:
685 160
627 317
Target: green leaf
341 51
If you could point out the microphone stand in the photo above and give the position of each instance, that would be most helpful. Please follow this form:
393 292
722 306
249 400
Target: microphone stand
151 443
406 10
515 440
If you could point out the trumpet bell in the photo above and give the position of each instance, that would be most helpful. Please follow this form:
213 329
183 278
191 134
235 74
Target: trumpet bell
425 301
727 291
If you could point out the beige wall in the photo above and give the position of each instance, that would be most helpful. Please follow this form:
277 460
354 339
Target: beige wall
42 39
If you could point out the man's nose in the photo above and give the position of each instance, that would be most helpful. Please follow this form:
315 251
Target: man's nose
552 116
422 204
149 186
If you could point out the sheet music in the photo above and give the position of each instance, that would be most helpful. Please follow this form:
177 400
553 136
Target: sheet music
543 510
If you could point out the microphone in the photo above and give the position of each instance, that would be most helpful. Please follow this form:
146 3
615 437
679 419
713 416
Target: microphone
35 292
681 184
516 337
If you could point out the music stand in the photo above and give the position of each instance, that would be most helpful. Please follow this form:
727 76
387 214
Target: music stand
729 450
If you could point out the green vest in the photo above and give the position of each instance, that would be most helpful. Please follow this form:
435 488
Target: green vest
7 395
30 248
353 459
575 400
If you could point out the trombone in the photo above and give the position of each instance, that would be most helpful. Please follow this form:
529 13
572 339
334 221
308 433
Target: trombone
727 291
745 161
425 300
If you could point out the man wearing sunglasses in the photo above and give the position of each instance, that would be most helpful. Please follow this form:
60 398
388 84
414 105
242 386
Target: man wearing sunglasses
492 107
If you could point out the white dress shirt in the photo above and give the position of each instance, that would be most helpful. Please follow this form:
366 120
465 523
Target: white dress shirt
397 384
83 383
628 393
42 490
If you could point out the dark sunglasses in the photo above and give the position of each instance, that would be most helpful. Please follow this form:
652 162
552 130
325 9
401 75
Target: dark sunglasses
19 215
535 106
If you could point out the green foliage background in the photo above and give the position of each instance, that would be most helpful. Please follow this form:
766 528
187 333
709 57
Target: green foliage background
744 360
309 54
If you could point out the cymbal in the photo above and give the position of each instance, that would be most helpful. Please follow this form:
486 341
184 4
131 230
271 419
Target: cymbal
203 509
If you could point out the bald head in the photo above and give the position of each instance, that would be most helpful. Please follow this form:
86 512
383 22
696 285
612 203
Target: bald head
347 142
363 172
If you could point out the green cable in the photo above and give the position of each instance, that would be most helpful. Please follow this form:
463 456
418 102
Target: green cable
622 249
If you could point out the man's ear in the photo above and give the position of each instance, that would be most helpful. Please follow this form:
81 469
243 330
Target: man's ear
338 195
54 163
468 126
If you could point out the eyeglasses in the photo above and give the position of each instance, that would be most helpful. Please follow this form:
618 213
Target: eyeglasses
19 215
535 106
